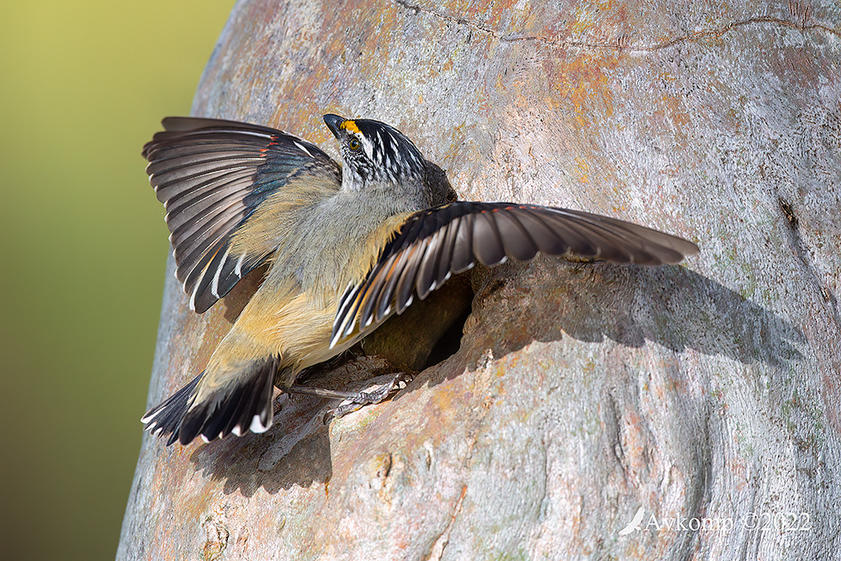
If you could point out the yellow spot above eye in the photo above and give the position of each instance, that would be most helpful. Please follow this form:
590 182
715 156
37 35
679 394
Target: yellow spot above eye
350 126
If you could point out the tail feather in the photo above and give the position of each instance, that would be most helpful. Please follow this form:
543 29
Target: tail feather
242 404
224 423
165 418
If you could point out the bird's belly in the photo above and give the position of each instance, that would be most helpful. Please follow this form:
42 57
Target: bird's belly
285 322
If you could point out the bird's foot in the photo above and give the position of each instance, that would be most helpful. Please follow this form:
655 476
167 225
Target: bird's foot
376 393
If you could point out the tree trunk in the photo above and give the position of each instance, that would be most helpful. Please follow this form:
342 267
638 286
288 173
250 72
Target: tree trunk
592 411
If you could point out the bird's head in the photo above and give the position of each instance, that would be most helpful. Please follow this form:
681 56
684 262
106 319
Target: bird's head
374 152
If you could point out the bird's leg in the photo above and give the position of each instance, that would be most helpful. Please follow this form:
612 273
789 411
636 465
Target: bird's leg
319 392
351 401
374 394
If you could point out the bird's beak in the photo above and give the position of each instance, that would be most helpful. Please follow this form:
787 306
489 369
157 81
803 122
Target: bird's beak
334 123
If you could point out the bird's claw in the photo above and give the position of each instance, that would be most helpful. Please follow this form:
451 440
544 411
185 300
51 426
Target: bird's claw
371 396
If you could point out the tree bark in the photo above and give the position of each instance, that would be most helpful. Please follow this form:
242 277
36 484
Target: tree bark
592 411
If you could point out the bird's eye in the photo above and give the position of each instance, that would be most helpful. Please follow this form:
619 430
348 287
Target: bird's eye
353 144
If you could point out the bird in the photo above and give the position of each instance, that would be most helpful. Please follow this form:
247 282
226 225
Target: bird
345 246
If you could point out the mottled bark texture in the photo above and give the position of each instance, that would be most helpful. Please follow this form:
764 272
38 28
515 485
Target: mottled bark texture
702 398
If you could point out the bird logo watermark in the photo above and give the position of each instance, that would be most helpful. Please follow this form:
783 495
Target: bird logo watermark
634 524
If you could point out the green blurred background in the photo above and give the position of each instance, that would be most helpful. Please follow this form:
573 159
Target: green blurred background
82 86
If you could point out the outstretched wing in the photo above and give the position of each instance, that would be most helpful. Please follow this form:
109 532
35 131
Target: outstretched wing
434 244
211 176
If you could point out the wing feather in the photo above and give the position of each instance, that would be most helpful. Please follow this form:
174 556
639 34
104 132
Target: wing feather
442 267
222 187
405 286
515 238
212 175
198 235
434 244
427 271
207 206
178 191
487 245
462 257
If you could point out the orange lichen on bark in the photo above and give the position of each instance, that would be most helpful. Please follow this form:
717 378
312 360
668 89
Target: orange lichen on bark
584 82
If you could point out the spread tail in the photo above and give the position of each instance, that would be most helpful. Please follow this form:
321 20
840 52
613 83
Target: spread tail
216 406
